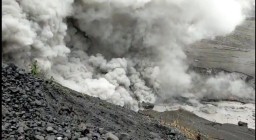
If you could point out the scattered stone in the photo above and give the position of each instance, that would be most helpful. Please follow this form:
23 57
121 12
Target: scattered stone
38 137
84 138
155 135
111 136
21 72
77 135
82 127
89 136
59 138
49 129
55 131
21 129
67 134
37 84
50 137
124 136
38 103
4 111
101 130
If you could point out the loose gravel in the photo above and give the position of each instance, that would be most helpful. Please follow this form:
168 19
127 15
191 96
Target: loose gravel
38 109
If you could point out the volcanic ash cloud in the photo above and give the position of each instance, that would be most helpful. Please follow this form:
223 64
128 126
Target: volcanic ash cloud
123 51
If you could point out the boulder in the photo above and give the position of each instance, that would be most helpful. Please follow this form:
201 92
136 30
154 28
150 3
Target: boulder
240 123
146 105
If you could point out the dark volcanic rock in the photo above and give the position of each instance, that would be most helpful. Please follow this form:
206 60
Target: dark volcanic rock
147 105
34 109
240 123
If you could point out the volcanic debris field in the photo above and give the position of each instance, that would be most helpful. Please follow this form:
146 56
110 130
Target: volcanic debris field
33 108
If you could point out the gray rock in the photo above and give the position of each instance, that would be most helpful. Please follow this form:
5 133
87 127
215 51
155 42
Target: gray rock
38 103
37 84
5 126
67 134
4 110
124 136
50 137
8 100
49 129
21 72
147 105
55 131
101 130
111 136
38 137
82 127
155 135
21 137
24 96
68 131
84 138
4 66
22 124
21 129
59 138
77 135
14 90
89 136
16 106
13 127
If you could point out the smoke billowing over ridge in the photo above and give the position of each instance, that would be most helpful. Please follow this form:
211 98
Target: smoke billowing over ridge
123 51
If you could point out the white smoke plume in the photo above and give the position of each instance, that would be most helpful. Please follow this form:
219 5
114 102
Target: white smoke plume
122 51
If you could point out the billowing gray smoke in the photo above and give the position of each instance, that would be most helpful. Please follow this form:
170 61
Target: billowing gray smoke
123 51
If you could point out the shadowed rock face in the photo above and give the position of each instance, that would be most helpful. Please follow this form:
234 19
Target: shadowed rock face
36 109
234 52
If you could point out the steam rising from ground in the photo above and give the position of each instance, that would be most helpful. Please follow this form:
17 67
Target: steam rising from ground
123 51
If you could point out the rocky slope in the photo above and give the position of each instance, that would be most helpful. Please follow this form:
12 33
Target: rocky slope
36 109
234 52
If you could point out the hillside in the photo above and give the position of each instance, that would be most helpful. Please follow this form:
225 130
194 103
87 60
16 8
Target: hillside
36 109
33 108
234 52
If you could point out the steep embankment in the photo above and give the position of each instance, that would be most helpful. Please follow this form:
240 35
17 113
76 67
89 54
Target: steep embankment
36 109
